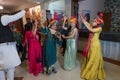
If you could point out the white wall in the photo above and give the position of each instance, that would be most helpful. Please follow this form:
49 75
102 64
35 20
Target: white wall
57 5
68 7
93 5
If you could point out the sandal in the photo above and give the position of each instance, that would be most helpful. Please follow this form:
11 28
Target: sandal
49 71
54 70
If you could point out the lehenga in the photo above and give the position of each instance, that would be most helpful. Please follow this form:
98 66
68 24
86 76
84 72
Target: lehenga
70 53
93 66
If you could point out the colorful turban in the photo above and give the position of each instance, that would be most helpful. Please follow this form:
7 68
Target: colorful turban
53 22
98 20
73 19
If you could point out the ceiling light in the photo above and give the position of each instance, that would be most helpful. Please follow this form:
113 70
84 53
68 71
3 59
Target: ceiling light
38 2
1 7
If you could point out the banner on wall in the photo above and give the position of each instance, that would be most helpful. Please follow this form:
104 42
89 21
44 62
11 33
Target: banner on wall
55 15
60 17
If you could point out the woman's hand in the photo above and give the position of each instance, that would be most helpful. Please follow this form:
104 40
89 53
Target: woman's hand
81 13
81 16
36 24
49 25
63 36
63 25
59 36
88 26
41 25
23 44
65 18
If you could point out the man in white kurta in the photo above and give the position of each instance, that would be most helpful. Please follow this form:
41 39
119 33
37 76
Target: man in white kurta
9 58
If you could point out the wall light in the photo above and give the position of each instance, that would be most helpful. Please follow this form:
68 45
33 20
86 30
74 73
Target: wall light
1 7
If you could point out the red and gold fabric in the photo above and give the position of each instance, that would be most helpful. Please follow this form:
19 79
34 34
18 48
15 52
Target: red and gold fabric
53 21
73 19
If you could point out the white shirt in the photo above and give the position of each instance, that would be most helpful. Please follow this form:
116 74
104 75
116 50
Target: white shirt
8 54
6 19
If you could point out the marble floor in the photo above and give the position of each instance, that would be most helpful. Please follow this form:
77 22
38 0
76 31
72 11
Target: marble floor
112 71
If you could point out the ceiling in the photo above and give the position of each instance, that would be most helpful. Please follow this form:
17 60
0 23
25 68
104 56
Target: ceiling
11 6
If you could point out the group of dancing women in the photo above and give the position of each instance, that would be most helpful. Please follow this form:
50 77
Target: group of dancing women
42 57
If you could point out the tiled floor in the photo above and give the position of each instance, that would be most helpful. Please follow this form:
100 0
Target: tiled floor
112 71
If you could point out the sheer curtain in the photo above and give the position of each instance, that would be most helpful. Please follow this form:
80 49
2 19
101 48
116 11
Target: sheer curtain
111 49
